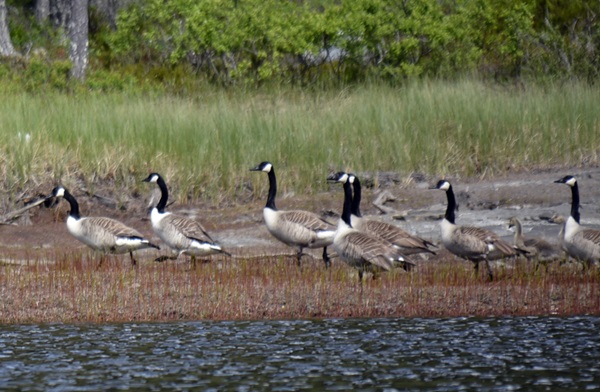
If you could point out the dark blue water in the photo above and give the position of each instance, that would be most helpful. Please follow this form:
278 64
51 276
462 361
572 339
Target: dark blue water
492 354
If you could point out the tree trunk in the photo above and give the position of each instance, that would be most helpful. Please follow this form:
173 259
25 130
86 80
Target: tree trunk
60 13
42 11
6 47
78 35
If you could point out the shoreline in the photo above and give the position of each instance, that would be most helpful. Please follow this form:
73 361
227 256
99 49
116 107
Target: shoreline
48 276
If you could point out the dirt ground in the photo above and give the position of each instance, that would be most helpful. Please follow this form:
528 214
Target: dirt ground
531 196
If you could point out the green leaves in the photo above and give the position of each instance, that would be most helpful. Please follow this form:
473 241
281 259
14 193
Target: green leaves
253 41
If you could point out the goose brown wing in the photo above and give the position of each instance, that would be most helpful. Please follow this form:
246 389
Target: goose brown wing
112 226
396 235
307 219
489 237
542 247
538 243
592 235
370 249
190 228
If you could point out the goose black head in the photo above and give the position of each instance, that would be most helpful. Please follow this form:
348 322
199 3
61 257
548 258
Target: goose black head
263 166
58 191
569 180
153 177
443 185
338 177
51 200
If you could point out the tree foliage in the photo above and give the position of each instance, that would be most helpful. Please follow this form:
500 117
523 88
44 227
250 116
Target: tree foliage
337 41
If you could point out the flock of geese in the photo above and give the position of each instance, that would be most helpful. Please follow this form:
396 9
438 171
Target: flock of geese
367 245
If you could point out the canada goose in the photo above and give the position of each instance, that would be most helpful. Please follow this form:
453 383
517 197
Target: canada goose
562 221
581 243
363 251
182 234
296 228
471 243
407 243
99 233
534 248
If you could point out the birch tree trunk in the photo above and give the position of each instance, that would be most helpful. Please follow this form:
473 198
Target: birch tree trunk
42 11
6 46
78 35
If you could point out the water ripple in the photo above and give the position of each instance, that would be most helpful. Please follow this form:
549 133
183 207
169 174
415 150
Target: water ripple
495 354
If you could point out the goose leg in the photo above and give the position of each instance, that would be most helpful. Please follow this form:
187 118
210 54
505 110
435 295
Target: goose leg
407 266
326 258
489 270
299 255
360 281
476 266
194 261
133 261
100 263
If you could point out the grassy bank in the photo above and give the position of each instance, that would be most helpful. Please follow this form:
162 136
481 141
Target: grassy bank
205 145
73 290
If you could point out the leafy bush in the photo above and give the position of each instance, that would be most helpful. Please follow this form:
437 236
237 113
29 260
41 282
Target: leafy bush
179 44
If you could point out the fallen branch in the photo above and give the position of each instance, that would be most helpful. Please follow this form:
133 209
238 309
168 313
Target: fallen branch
7 218
382 198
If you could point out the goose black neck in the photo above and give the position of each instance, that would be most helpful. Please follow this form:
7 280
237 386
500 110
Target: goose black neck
575 202
347 210
272 190
164 195
356 198
73 203
450 217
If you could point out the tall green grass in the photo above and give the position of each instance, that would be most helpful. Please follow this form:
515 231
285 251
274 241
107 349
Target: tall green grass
205 145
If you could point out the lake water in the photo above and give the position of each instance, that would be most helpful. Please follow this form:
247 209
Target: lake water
493 354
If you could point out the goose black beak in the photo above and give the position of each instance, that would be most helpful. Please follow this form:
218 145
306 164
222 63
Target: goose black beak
564 180
335 177
50 201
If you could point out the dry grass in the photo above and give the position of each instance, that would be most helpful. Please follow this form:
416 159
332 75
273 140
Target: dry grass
73 289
